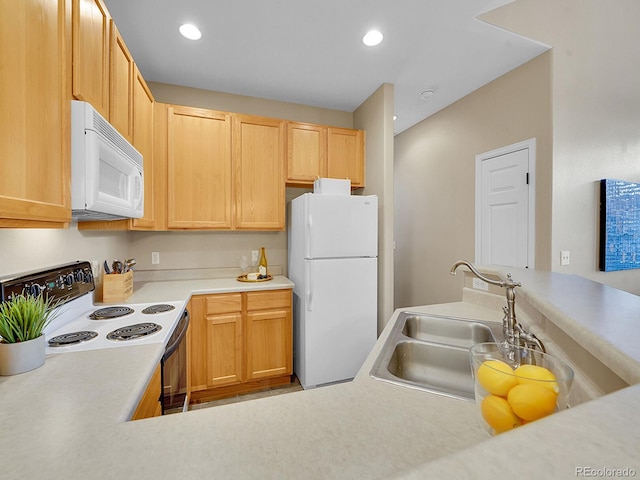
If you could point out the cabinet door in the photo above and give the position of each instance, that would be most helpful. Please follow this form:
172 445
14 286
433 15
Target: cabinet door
199 169
121 83
150 404
259 164
35 169
345 155
224 346
215 343
306 153
197 356
269 343
143 112
91 21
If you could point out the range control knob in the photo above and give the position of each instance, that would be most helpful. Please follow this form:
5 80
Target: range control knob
78 276
36 290
68 279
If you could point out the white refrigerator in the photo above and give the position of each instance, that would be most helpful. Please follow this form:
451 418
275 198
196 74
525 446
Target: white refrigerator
333 249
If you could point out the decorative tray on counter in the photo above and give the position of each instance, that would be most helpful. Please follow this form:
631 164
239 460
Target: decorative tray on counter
243 278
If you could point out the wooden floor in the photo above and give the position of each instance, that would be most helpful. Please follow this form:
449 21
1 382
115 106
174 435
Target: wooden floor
267 392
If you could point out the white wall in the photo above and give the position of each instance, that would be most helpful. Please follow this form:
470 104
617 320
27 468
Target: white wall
26 249
596 114
435 179
375 116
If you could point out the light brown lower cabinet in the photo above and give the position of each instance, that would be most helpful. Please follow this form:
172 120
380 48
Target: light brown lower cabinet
150 405
239 342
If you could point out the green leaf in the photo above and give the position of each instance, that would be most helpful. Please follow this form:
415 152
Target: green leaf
24 317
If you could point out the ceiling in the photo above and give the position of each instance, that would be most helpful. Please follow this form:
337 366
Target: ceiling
310 52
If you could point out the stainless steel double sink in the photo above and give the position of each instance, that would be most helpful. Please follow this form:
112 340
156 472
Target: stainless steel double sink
431 353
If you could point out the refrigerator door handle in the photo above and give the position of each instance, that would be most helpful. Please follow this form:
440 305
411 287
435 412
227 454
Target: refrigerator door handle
309 236
309 292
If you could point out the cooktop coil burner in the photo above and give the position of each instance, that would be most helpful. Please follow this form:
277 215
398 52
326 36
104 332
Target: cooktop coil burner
131 332
160 308
72 338
110 312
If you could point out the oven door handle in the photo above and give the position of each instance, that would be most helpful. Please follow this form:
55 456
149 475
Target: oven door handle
184 323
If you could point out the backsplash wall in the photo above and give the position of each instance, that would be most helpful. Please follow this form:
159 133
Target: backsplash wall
22 250
183 254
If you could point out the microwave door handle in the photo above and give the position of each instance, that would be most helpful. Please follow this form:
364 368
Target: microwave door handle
139 189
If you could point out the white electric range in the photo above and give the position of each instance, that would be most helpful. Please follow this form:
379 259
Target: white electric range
112 326
79 324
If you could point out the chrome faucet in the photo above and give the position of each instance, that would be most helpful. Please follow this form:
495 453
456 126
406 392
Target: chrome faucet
514 333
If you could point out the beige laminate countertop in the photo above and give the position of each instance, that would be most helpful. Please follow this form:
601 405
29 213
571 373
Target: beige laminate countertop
177 290
67 420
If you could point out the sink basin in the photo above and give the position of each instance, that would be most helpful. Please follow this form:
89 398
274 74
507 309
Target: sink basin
442 368
431 353
449 331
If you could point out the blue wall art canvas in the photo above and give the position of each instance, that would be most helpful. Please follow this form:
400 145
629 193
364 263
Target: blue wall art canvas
619 225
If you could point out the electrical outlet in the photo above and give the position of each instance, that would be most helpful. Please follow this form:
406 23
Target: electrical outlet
254 256
155 258
565 258
480 285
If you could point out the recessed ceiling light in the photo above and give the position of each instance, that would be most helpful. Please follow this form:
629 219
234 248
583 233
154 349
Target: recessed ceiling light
190 31
427 94
395 117
372 38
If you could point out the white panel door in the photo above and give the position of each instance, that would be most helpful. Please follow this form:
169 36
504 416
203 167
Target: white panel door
339 226
504 222
340 319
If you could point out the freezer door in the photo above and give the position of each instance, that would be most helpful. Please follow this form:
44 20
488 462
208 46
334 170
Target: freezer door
339 226
340 319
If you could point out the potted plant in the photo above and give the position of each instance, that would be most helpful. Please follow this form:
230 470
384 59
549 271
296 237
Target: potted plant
22 321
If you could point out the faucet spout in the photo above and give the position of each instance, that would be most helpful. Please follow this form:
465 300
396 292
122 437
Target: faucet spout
475 272
513 332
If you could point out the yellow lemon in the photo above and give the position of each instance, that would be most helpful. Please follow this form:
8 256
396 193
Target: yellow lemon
530 401
497 412
537 375
496 377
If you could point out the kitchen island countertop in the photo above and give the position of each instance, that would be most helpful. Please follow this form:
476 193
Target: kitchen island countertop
67 420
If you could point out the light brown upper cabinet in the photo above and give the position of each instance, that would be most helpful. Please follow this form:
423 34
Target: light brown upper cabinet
345 155
306 153
35 170
198 169
91 24
315 151
259 170
121 84
143 118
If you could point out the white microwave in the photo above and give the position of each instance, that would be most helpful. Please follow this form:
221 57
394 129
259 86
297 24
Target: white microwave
107 181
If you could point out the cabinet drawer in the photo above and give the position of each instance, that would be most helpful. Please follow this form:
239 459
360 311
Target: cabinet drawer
224 303
268 299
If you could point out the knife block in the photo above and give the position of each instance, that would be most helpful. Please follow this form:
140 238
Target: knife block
117 287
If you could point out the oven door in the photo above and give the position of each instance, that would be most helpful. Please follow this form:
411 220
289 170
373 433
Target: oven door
174 369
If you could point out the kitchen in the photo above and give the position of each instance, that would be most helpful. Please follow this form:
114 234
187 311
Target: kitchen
52 246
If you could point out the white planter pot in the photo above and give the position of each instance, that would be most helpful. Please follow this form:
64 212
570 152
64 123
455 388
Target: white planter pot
22 356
